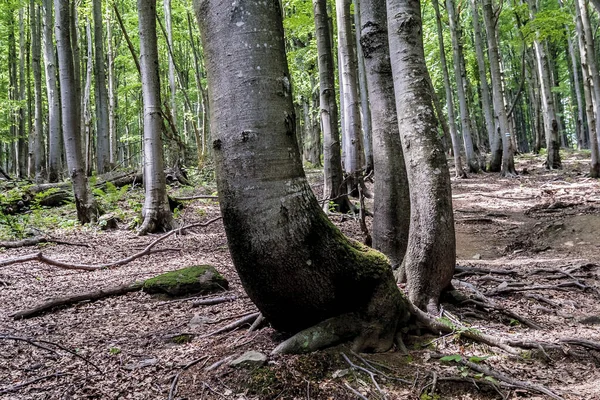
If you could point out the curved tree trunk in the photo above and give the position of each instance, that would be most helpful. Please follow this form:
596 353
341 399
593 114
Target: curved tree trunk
294 264
431 254
460 173
71 119
332 159
508 162
156 212
392 203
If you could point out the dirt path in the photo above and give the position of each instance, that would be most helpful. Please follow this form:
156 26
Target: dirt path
533 227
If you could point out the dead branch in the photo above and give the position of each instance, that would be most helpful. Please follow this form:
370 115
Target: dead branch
91 267
35 241
39 343
461 270
17 387
213 301
197 197
509 313
259 321
356 392
590 344
559 286
217 364
229 327
72 299
366 371
173 390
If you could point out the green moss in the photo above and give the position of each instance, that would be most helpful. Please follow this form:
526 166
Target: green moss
182 339
264 382
196 279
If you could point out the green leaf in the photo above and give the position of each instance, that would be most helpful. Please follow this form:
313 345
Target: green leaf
476 359
452 357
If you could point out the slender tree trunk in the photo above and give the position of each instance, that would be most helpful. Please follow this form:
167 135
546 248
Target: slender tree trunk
103 163
591 81
508 163
486 105
156 212
88 130
54 131
86 207
22 144
392 202
36 55
548 106
112 98
455 34
431 253
365 109
460 173
351 127
13 96
316 274
576 94
332 162
172 81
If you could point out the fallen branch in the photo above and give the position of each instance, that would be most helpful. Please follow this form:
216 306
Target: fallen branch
68 300
35 241
173 390
366 371
213 301
39 343
461 270
17 387
590 344
257 323
200 196
91 267
229 327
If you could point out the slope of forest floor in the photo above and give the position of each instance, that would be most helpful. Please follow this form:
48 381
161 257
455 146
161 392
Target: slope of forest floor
530 244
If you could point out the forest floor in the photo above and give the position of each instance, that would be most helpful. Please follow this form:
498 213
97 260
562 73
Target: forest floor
533 241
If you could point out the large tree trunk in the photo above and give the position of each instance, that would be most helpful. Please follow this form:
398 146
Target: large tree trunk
591 81
54 134
156 212
36 56
460 173
486 105
103 163
460 78
332 160
508 162
431 254
86 207
351 123
392 203
315 273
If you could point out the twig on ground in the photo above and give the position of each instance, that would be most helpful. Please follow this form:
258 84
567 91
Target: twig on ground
369 364
17 387
236 324
461 270
173 390
217 364
213 301
356 392
36 343
91 267
560 286
37 240
366 371
259 321
197 197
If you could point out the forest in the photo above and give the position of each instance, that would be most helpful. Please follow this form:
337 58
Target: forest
299 199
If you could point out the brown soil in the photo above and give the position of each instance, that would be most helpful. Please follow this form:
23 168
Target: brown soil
532 226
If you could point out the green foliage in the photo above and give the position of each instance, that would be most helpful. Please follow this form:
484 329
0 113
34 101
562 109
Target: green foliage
452 357
113 351
547 25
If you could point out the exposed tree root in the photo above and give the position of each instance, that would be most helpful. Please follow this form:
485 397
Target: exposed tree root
93 267
173 390
260 320
236 324
68 300
35 241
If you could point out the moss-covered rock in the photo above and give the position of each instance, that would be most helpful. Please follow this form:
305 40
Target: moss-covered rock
199 279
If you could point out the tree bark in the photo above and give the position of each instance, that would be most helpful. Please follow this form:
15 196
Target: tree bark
315 274
460 173
392 202
460 78
351 123
54 134
22 143
103 163
508 162
156 212
112 98
84 202
88 131
431 254
36 56
332 161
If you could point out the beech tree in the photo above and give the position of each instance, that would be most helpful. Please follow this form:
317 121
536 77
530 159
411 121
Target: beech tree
315 275
102 127
156 212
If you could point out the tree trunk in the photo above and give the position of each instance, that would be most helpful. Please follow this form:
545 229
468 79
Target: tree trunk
578 116
112 98
351 123
315 273
22 143
54 134
365 108
156 212
36 55
392 202
591 81
460 173
88 131
172 81
548 106
465 118
486 105
332 161
431 254
508 162
103 163
86 207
